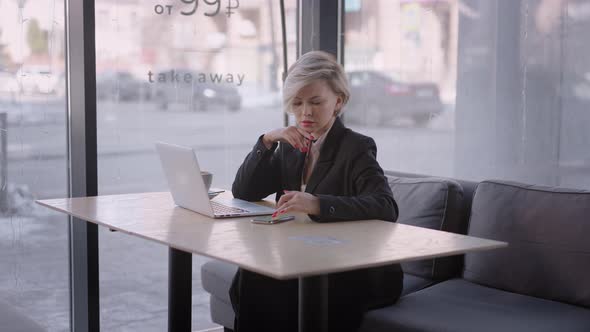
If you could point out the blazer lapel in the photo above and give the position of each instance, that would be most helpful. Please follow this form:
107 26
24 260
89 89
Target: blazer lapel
327 154
293 178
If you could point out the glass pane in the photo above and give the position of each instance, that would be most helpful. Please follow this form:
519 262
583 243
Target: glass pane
33 240
188 74
401 60
512 79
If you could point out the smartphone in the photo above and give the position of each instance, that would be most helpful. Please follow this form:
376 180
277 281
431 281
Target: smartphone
268 220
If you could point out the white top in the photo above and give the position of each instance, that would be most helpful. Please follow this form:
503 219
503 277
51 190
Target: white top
287 250
312 158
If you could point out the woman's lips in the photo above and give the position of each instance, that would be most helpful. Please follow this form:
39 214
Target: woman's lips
306 123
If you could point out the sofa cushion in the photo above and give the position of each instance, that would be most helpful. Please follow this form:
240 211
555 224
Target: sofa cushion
434 203
222 313
216 277
413 283
458 305
547 230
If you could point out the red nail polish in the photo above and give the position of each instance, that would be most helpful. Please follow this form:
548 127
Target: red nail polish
282 211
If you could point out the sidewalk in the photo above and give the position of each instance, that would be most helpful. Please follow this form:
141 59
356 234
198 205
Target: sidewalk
133 276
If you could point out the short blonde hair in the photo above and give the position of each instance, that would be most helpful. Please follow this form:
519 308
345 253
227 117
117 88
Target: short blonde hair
312 66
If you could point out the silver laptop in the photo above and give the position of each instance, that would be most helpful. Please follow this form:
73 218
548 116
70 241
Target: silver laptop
188 189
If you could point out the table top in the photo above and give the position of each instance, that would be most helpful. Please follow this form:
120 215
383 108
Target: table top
292 249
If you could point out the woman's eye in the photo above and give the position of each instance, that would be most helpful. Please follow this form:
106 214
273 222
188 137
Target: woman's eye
316 102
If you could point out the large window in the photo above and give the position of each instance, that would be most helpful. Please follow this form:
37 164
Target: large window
33 240
200 74
401 60
474 89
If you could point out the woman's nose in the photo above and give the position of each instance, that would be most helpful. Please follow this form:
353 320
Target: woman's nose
306 110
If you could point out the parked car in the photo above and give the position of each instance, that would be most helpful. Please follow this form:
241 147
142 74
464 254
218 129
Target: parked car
8 86
37 79
377 98
201 96
121 86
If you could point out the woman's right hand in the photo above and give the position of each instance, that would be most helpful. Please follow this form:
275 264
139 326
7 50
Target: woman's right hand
297 137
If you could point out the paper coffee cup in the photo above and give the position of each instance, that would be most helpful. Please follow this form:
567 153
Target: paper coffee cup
207 178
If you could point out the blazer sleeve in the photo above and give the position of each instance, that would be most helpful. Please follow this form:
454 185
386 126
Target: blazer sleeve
373 198
260 173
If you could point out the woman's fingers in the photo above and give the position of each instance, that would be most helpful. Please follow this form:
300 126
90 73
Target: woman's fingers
295 202
303 139
300 136
281 204
304 133
297 137
288 199
284 199
285 209
286 136
296 140
306 138
301 142
282 210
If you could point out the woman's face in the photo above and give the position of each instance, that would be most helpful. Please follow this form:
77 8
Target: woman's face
315 106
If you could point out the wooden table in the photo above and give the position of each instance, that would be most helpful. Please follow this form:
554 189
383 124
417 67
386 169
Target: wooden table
282 251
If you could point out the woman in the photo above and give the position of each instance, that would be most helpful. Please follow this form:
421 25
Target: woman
328 171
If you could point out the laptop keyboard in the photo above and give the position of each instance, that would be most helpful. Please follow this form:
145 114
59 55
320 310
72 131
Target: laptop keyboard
219 208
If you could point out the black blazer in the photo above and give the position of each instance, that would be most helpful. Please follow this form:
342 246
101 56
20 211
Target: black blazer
347 178
351 186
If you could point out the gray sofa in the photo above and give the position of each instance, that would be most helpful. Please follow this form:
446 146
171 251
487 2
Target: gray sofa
541 282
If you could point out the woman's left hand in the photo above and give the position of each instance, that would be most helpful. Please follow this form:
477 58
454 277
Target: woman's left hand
296 201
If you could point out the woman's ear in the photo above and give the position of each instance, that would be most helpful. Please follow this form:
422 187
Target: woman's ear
338 106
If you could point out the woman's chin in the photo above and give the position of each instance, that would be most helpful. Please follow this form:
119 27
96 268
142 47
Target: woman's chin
307 129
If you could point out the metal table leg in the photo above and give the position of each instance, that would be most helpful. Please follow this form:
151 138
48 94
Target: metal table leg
180 266
313 304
